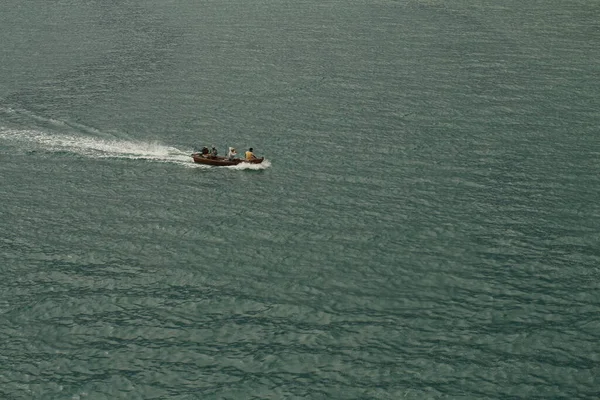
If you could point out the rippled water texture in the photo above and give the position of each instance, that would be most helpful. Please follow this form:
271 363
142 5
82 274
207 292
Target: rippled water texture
425 224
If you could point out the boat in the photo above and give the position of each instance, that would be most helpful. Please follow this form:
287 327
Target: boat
223 161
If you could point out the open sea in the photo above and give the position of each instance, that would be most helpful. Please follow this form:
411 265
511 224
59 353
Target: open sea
426 224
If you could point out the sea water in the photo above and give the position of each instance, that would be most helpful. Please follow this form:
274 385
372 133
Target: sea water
425 224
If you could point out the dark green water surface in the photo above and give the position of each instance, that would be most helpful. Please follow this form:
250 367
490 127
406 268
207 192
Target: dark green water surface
426 224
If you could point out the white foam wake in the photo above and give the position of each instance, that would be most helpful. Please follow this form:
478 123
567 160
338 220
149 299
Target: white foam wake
94 147
263 165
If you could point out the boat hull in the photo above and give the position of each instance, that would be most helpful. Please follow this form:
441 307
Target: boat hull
222 161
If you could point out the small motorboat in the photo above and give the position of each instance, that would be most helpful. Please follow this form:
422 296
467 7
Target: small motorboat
222 161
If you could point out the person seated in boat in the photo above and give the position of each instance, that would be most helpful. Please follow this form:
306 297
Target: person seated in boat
213 152
250 155
204 152
231 154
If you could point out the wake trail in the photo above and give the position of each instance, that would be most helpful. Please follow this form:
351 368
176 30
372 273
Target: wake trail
87 141
23 116
94 147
